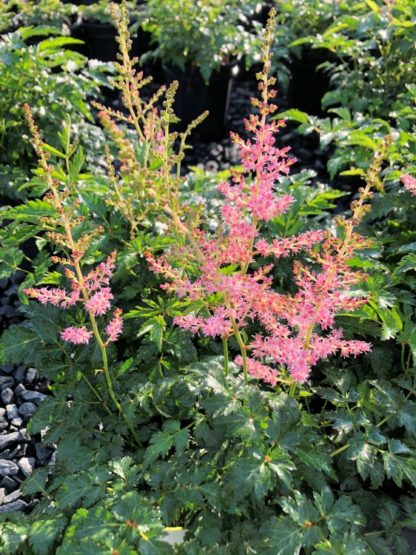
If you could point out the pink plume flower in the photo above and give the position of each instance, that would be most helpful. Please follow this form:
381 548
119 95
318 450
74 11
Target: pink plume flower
258 370
45 295
101 275
78 336
217 324
99 303
214 268
410 183
188 322
115 326
95 284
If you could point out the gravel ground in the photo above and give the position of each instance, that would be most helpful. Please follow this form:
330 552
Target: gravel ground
21 391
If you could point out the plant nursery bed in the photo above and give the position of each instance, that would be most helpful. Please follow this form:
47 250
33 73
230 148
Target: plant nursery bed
207 332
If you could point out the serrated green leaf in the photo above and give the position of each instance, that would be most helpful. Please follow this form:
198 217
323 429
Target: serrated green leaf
31 211
294 114
406 264
53 150
10 259
76 165
36 482
44 533
17 345
284 537
57 42
162 442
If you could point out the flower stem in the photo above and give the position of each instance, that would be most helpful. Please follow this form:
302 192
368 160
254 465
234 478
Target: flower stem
243 348
76 255
292 390
226 357
68 231
108 378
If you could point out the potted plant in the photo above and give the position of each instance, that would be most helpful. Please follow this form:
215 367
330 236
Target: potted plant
56 82
197 43
24 13
307 66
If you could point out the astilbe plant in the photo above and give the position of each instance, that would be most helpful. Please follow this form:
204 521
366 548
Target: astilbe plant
90 289
148 179
229 272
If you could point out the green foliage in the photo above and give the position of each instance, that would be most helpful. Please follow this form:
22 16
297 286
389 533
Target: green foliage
55 82
327 467
205 33
19 13
240 466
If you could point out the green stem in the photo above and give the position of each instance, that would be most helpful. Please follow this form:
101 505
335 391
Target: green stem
384 420
402 358
292 390
108 379
340 450
243 348
374 533
226 357
409 356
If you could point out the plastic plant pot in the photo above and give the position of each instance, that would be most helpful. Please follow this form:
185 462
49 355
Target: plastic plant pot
194 96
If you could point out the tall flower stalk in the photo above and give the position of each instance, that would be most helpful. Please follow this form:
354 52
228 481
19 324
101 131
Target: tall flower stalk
91 290
228 272
149 152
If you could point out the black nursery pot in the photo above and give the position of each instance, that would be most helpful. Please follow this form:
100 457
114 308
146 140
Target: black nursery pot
308 84
194 96
100 41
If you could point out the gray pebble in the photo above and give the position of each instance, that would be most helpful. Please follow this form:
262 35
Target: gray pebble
31 375
16 453
3 423
218 149
13 496
12 412
26 465
7 395
9 484
8 439
19 389
211 166
6 381
17 422
2 495
26 410
34 396
15 506
8 468
20 374
2 411
7 369
52 460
